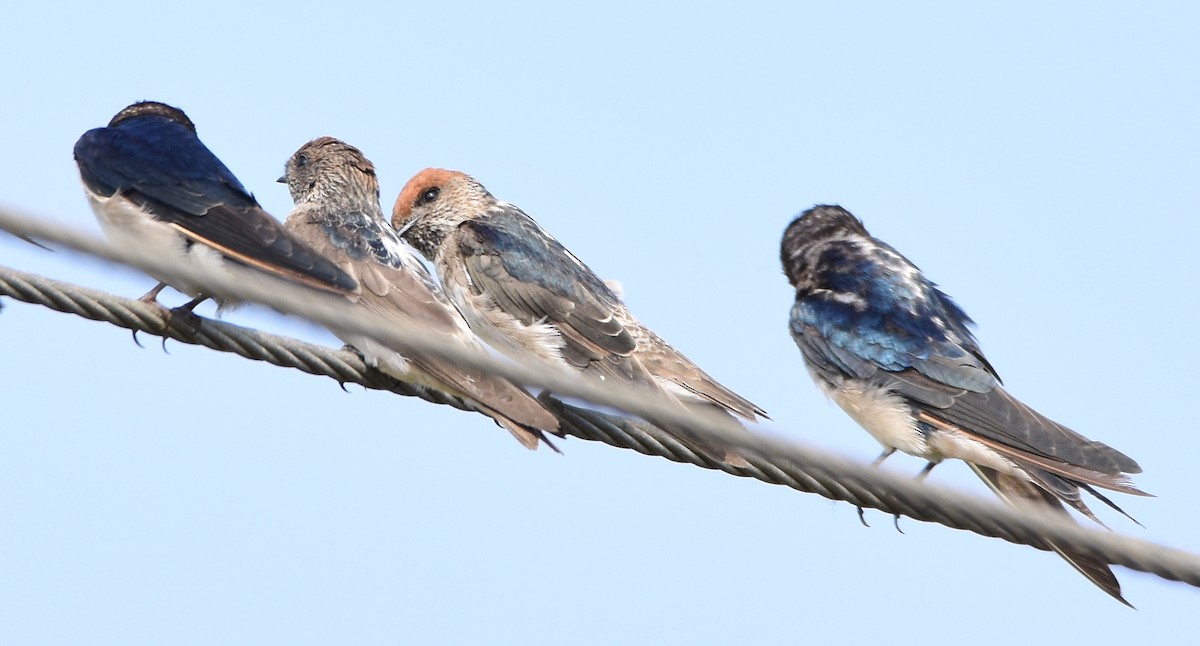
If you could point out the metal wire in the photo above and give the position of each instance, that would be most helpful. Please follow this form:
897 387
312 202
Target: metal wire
800 468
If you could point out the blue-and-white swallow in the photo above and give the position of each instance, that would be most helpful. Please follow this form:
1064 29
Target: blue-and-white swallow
337 212
898 356
526 294
154 186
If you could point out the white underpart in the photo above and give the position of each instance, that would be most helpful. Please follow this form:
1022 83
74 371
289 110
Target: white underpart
884 414
500 329
889 419
126 225
616 287
959 445
379 356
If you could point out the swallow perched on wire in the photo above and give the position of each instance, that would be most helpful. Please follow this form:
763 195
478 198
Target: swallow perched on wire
338 213
525 293
898 356
154 186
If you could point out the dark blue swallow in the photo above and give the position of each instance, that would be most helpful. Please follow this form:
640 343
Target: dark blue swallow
154 186
898 356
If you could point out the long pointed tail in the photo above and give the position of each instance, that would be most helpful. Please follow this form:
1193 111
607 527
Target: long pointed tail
1022 493
528 436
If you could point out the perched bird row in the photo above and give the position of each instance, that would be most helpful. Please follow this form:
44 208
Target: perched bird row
876 335
155 186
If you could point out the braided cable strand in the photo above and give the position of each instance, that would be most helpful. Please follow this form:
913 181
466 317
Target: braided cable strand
140 316
771 461
828 476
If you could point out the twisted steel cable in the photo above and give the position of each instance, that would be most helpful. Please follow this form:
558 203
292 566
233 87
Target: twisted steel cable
800 468
829 476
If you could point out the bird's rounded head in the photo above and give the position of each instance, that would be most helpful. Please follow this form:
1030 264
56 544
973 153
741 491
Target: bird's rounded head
153 108
327 168
434 202
423 191
816 226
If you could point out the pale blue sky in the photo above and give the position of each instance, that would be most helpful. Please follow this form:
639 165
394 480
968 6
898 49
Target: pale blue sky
1040 163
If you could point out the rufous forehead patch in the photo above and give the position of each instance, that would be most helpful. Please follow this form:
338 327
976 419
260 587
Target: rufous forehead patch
422 181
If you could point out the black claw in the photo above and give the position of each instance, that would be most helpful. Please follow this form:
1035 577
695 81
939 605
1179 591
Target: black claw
136 341
342 385
164 346
182 319
862 518
896 522
355 351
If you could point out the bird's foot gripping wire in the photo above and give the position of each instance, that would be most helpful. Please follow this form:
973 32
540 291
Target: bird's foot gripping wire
183 319
152 297
178 321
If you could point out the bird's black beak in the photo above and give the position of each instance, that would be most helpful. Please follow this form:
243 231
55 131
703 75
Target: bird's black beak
282 179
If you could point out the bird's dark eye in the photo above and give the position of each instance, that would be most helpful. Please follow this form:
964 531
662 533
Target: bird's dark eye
301 160
430 194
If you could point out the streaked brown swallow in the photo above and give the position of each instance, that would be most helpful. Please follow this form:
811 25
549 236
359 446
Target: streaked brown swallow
337 212
526 294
